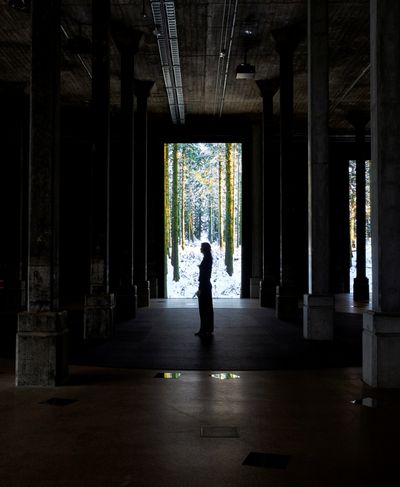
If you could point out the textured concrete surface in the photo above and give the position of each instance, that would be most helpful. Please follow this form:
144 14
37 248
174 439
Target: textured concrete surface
127 428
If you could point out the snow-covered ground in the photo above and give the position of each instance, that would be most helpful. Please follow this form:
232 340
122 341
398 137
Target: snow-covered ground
368 265
224 286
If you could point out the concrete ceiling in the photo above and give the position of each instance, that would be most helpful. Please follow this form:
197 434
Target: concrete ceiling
199 24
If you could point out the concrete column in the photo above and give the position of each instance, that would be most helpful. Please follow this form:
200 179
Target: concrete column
361 284
256 214
142 91
99 304
41 354
270 205
381 335
286 41
318 308
127 41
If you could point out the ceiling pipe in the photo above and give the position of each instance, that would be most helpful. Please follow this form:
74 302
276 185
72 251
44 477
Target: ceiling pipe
359 77
85 66
221 56
225 52
166 32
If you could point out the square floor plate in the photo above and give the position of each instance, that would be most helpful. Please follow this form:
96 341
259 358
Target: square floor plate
219 432
58 401
266 460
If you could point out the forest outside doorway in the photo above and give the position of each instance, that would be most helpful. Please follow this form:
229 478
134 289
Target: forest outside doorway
203 203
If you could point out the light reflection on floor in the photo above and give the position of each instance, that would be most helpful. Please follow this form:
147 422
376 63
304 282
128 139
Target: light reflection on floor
217 303
225 376
168 375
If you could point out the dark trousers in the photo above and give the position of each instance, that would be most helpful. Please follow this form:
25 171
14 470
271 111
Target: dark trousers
206 310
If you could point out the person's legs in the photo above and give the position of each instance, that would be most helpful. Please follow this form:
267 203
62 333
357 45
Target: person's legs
202 312
206 312
209 313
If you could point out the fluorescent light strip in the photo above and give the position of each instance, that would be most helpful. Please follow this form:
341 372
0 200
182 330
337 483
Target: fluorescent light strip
167 39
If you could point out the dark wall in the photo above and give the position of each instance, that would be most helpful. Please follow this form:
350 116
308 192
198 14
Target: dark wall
300 195
75 160
13 202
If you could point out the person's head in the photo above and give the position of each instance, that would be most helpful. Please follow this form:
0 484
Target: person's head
205 248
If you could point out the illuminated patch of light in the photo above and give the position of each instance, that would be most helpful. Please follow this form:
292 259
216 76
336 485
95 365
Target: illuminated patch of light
225 376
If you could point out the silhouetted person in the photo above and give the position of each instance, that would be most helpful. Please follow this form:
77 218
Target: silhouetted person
204 293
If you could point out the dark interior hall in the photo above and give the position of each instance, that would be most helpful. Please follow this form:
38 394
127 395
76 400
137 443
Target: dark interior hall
102 379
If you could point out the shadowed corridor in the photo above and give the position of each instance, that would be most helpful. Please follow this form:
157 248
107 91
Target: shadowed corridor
246 337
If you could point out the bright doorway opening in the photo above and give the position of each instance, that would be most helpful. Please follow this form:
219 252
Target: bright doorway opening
353 222
202 203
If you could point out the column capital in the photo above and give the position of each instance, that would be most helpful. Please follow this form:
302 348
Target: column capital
358 118
127 39
143 87
268 87
287 38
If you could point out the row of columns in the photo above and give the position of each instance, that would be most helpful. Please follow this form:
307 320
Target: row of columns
381 335
42 333
41 357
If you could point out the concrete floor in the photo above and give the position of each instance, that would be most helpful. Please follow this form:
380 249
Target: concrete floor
125 427
246 337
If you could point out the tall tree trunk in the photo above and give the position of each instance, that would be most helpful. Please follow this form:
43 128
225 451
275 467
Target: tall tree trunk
183 196
220 208
229 217
167 213
190 226
189 213
175 215
210 220
238 212
198 223
234 195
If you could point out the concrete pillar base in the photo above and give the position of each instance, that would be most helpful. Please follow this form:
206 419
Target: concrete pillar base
318 313
143 294
267 293
381 349
99 316
287 303
254 287
361 289
126 304
42 349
